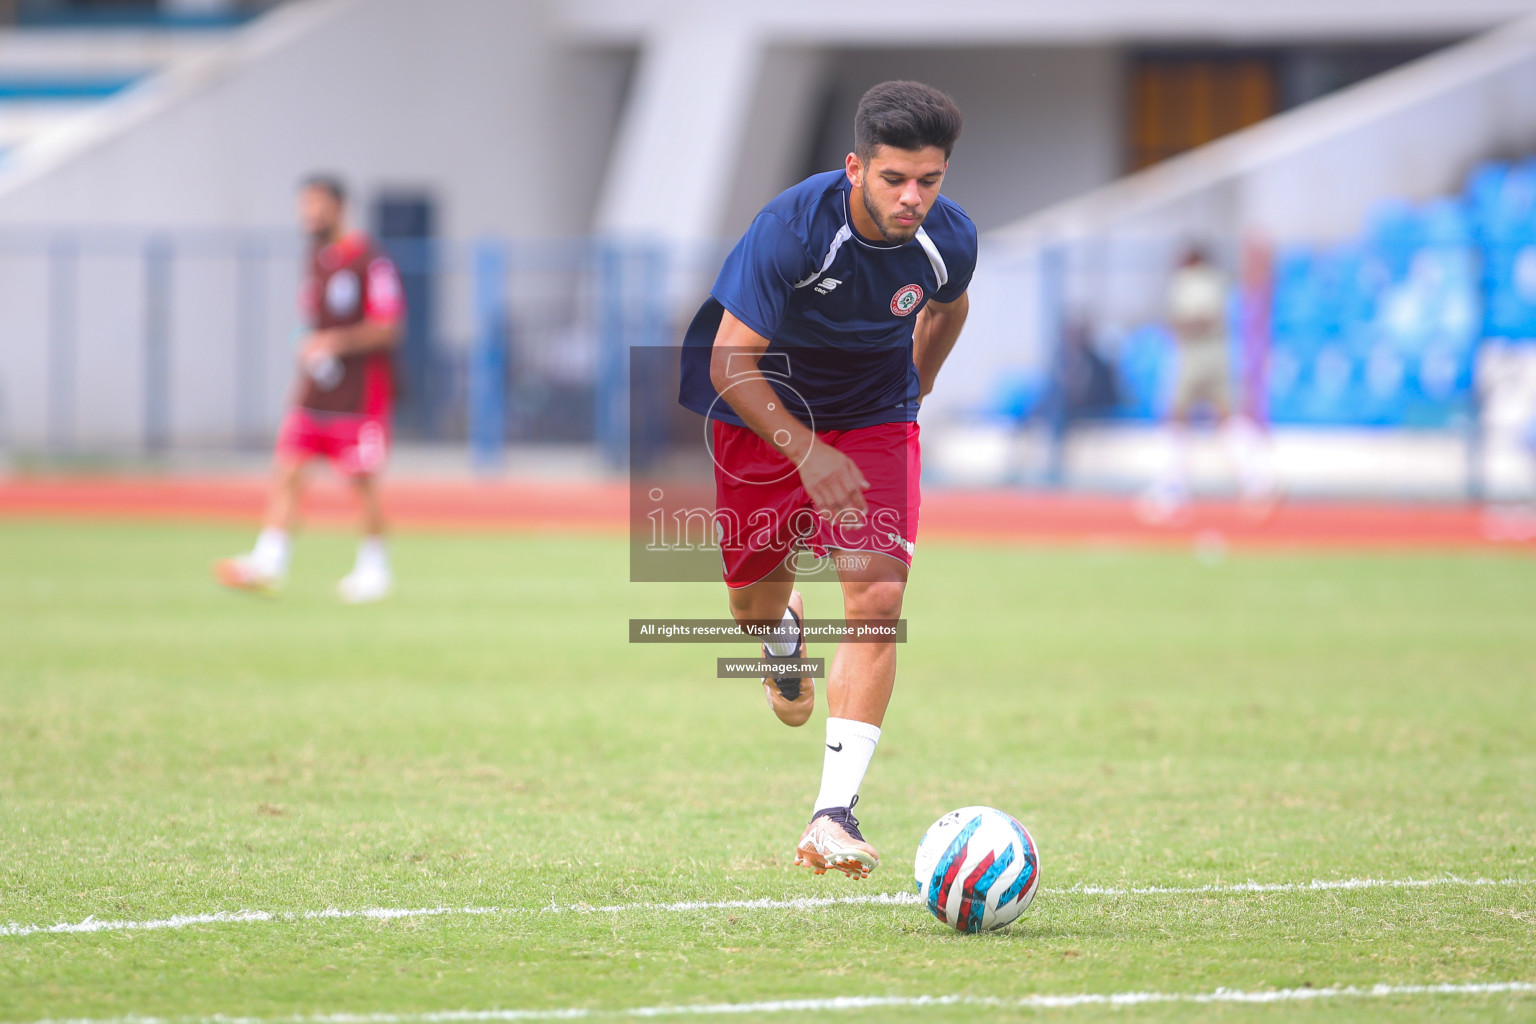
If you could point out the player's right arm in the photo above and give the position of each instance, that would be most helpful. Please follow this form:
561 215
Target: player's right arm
831 478
754 287
381 323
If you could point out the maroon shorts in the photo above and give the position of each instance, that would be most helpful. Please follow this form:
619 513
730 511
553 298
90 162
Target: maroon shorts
357 445
764 518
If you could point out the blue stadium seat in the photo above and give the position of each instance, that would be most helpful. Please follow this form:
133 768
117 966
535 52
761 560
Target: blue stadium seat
1511 210
1510 287
1394 231
1485 186
1384 331
1016 396
1144 366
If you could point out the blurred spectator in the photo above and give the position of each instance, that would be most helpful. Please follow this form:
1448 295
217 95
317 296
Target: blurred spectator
1198 300
1506 384
1087 384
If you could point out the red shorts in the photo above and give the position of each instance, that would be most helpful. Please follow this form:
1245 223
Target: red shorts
764 518
357 445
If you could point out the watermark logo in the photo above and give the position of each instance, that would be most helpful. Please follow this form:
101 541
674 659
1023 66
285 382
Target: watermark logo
813 631
845 542
772 368
736 503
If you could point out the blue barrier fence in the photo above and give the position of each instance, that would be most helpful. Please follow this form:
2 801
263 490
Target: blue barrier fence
131 341
120 340
1381 331
487 410
1337 336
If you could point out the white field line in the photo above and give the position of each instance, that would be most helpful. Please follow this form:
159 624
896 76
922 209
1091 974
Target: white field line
1316 885
1030 1002
93 924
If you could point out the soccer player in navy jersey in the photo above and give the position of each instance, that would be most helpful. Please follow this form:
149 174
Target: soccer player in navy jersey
826 327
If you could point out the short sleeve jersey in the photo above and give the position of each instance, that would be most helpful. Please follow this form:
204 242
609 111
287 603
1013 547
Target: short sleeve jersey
838 310
1198 295
349 282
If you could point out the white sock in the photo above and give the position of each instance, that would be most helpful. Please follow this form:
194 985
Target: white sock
1171 479
850 745
1249 455
785 639
270 555
371 556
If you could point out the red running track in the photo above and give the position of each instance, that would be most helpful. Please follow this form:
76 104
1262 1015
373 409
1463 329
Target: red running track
999 516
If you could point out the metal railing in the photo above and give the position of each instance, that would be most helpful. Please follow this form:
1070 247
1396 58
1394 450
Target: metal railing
135 341
121 341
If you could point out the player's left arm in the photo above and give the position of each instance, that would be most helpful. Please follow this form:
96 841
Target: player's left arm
934 336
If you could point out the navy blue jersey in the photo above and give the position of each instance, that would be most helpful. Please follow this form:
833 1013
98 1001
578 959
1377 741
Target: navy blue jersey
838 310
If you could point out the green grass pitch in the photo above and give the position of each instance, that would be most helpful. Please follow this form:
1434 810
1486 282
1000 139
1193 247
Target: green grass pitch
487 738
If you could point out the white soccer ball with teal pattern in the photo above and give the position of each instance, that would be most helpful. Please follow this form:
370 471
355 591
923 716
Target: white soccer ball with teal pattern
977 869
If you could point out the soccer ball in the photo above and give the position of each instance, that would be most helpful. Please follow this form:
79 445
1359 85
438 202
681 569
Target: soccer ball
977 869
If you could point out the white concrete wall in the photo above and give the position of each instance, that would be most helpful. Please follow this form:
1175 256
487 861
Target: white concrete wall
73 372
1041 124
1309 175
1045 22
199 6
1314 172
537 117
683 126
469 99
776 142
704 66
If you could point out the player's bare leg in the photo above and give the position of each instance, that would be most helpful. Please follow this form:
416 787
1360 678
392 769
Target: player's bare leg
773 604
863 676
859 690
1166 498
1248 451
265 566
366 487
370 578
284 497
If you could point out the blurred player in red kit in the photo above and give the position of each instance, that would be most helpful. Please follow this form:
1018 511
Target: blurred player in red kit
342 395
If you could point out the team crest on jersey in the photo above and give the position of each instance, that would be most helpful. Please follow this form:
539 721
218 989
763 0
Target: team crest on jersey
906 300
342 292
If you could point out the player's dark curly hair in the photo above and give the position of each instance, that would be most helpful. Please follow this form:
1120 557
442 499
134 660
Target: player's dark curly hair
906 115
330 183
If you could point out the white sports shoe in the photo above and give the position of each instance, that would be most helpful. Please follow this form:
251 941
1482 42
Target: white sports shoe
362 586
792 698
833 840
1162 504
243 572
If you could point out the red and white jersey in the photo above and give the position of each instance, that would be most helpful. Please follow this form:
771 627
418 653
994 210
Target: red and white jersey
350 282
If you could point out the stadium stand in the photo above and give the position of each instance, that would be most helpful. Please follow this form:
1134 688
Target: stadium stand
63 63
